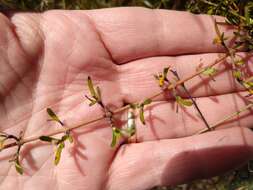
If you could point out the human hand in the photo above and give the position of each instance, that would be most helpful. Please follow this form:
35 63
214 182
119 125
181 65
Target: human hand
45 61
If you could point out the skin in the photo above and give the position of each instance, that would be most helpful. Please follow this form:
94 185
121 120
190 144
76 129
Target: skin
45 61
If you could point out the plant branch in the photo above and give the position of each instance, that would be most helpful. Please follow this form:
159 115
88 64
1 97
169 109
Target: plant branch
119 110
193 101
218 123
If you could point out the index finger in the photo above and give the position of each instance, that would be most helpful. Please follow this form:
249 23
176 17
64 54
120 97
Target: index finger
132 33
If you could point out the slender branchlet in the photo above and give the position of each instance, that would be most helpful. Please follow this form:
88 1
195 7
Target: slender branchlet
227 118
117 111
164 83
58 143
237 65
141 106
192 99
16 157
95 98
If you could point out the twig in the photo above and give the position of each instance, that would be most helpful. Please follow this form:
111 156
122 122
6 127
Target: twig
218 123
193 101
119 110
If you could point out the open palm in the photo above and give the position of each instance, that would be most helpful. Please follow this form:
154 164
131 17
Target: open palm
45 61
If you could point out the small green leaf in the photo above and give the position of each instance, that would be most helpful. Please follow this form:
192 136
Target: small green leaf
64 137
237 74
67 137
165 71
183 102
58 153
53 116
47 138
210 71
93 102
247 13
240 62
91 87
250 91
18 167
146 102
210 11
116 134
218 38
141 115
2 140
133 106
249 86
98 94
70 138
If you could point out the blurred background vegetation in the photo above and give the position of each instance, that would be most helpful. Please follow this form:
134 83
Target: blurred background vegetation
40 5
241 179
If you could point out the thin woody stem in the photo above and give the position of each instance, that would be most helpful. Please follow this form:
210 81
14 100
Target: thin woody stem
58 131
178 83
218 123
193 101
119 110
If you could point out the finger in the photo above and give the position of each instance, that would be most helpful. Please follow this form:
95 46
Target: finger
171 162
138 76
163 121
15 77
131 33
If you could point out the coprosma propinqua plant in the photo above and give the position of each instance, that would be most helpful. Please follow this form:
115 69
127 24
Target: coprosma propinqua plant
169 81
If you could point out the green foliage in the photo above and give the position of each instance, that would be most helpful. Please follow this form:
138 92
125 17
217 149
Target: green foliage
91 87
220 39
141 109
237 12
18 167
240 62
53 116
59 143
210 71
237 75
141 113
15 158
183 102
95 94
49 139
58 152
3 138
116 134
40 5
249 86
162 77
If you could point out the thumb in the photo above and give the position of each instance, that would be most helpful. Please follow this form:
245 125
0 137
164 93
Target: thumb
177 161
